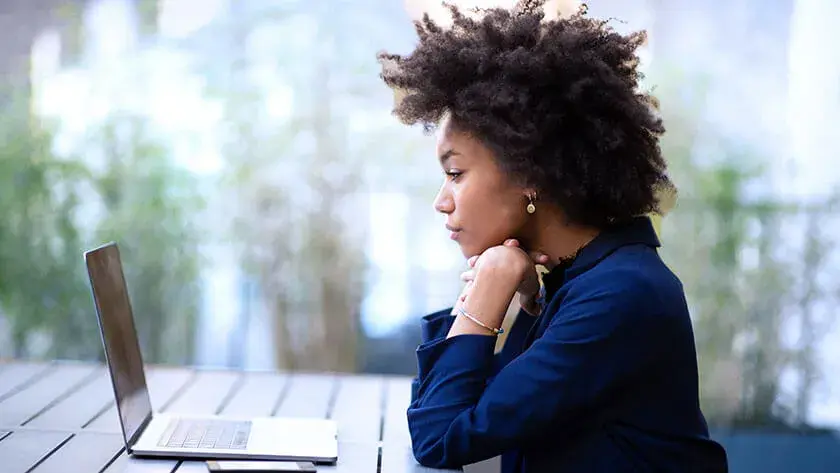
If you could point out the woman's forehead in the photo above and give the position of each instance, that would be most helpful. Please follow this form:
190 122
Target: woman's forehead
451 141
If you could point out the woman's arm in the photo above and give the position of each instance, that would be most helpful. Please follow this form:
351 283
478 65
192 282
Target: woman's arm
587 353
435 326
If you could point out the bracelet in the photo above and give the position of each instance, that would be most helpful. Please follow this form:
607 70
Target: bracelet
497 331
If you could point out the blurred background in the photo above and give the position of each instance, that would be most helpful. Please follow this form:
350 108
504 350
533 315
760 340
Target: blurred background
273 215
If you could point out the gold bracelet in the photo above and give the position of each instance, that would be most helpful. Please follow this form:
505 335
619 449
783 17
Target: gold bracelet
497 331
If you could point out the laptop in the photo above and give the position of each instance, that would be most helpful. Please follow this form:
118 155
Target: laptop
152 434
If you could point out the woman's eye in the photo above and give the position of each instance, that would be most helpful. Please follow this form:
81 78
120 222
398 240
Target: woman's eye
453 174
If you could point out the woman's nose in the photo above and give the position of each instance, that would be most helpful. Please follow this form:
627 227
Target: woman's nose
443 201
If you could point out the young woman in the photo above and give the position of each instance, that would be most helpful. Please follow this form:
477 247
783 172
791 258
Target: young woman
550 156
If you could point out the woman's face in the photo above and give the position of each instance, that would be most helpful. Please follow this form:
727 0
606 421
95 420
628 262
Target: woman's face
482 205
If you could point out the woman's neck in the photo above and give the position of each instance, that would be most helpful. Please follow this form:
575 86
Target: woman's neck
559 240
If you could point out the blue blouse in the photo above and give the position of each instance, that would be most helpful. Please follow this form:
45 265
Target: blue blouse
604 380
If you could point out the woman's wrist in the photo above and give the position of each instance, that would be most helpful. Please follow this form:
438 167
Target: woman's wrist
459 303
487 301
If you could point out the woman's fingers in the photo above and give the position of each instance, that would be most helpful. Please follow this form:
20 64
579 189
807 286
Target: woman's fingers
463 295
539 257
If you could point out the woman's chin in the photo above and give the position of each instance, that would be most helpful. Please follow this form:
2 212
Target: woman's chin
468 250
471 250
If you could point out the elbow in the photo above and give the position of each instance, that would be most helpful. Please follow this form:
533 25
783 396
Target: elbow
430 455
429 448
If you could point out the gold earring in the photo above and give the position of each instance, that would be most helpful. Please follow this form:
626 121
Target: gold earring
531 208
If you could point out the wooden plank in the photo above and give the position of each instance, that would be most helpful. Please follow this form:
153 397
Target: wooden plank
193 466
17 375
22 450
399 459
125 464
87 451
358 408
79 407
164 384
258 395
398 397
308 395
206 394
491 465
41 393
354 457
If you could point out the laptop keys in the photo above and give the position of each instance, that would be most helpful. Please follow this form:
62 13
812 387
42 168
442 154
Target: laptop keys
207 435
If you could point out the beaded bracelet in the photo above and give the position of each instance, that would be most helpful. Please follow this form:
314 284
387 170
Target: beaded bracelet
497 331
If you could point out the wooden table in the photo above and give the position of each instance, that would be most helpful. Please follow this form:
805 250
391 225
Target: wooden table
60 417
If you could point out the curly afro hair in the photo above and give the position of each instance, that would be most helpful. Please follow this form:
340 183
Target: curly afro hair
556 101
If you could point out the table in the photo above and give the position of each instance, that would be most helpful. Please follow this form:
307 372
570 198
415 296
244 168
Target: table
57 417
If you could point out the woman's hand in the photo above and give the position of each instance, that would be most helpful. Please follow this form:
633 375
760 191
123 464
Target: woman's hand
497 274
529 285
529 291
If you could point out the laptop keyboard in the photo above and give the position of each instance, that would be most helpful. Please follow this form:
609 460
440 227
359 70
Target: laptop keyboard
183 433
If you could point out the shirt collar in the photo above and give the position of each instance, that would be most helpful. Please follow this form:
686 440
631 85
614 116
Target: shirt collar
637 231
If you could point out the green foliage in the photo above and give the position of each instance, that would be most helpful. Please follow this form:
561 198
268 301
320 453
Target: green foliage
739 271
292 183
41 287
49 202
150 206
147 12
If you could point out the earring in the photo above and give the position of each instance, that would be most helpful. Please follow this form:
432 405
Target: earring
531 208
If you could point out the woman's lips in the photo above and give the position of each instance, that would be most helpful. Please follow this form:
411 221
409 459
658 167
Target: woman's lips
453 232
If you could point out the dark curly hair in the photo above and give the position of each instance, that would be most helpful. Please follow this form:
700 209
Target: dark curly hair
556 101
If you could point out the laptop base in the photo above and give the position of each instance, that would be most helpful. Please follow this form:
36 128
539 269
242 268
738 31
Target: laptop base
270 438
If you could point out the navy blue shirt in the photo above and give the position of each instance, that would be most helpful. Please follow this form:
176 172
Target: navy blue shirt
604 380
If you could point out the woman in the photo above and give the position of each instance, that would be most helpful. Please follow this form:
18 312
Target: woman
550 156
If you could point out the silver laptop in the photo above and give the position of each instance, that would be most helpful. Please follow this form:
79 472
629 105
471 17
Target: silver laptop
153 434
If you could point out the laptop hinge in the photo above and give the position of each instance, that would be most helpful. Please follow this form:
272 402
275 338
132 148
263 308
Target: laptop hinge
133 440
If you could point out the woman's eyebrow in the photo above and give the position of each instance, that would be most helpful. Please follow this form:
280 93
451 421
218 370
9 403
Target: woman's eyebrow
446 155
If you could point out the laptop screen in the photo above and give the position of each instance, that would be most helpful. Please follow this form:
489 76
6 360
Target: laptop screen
119 337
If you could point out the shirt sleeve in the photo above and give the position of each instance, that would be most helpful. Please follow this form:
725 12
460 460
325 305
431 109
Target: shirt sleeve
594 344
435 326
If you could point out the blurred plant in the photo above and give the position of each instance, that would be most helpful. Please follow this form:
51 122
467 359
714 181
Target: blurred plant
47 204
293 188
41 287
739 267
293 236
811 295
149 208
